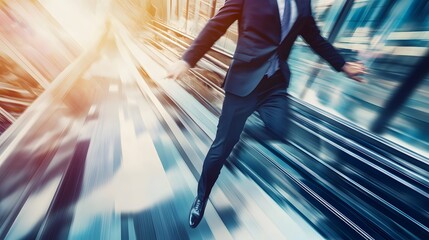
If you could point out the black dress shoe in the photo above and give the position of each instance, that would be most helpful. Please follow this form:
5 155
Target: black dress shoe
197 212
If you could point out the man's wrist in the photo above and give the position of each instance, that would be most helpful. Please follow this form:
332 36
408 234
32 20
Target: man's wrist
341 66
185 63
188 59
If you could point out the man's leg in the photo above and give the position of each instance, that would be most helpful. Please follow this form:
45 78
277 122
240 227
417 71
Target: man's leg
235 112
275 112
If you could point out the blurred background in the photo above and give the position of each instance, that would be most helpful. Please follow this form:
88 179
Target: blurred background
95 143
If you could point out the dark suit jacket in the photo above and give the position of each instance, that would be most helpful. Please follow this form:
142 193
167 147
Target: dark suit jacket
259 39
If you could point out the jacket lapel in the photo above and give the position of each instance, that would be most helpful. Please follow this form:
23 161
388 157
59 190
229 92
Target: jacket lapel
275 7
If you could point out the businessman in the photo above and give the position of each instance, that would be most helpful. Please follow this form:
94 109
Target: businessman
258 76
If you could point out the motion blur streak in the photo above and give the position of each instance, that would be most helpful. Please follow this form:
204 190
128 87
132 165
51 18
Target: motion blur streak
96 144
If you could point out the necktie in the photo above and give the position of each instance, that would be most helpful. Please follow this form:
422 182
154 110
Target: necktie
285 19
274 66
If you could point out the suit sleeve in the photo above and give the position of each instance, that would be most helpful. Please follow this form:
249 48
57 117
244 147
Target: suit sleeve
213 30
323 48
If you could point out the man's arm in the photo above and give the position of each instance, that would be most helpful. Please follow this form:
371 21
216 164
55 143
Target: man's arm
323 48
213 30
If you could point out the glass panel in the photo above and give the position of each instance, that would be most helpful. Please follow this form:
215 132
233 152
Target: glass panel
390 37
182 13
410 126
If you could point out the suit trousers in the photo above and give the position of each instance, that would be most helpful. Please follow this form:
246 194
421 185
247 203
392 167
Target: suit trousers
269 99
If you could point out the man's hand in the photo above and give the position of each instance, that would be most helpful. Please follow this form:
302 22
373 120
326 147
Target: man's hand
353 70
177 69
